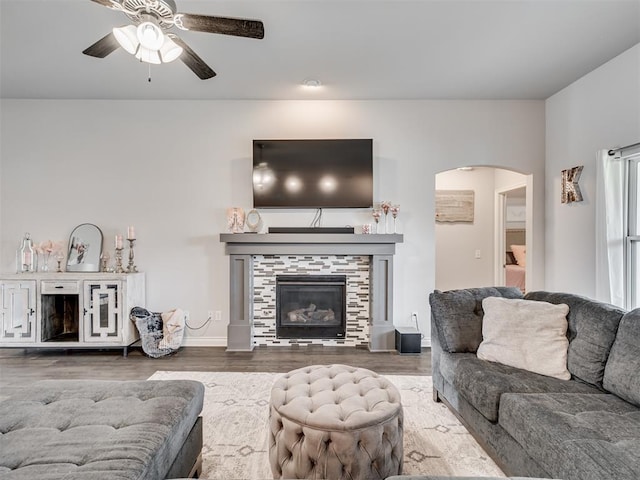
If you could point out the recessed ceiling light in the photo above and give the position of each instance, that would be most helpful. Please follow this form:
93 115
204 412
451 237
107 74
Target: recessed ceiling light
312 83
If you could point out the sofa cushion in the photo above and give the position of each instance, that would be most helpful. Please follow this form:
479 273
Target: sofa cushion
94 430
621 373
483 383
592 330
458 315
579 437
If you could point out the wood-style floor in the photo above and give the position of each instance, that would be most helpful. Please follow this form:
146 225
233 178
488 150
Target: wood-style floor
23 366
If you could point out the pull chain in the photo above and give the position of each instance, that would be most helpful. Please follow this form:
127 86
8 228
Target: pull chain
149 72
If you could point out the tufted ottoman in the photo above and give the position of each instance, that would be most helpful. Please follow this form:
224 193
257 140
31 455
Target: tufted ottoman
335 422
101 430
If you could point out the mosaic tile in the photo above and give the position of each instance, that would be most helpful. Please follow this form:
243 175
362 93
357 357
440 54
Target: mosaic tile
355 267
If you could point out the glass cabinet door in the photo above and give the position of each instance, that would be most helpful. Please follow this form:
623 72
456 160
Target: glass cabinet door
102 311
17 317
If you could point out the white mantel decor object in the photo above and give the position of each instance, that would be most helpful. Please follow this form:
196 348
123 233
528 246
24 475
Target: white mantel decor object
235 219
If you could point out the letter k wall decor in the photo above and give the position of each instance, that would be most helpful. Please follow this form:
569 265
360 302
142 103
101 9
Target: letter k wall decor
570 188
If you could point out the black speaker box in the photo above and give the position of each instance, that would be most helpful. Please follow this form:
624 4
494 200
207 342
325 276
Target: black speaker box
408 340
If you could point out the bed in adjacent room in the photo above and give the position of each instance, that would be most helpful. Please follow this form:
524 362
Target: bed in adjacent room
515 265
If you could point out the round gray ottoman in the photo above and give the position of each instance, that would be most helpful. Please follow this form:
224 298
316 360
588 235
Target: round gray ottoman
337 422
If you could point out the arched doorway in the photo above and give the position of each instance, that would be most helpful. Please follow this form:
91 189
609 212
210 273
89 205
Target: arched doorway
476 250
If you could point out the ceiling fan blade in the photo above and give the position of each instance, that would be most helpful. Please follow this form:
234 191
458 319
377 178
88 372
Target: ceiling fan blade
192 60
240 27
102 47
106 3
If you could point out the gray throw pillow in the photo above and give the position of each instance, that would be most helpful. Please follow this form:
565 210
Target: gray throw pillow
457 315
621 373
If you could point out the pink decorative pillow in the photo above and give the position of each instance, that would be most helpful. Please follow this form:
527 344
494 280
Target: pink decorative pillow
520 252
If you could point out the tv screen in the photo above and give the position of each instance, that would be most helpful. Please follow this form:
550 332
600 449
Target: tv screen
313 173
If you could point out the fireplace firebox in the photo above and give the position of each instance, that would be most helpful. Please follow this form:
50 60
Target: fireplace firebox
311 306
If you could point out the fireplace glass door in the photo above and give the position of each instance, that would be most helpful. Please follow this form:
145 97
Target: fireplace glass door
311 306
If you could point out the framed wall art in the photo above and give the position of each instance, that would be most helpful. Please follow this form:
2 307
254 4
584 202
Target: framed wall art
454 206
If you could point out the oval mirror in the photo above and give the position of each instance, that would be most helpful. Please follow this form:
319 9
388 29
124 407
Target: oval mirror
85 247
254 221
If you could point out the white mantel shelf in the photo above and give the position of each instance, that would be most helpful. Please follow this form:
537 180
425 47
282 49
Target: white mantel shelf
241 247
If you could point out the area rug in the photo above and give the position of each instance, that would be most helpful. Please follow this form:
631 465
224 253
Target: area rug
235 416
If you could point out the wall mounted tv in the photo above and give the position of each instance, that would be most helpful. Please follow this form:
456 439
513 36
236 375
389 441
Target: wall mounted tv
313 173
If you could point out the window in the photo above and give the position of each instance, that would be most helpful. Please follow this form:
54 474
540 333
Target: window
632 233
618 226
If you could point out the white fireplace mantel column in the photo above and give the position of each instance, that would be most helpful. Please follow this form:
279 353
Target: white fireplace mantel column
242 246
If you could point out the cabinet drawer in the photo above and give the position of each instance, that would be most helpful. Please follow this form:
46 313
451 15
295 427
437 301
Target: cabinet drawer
60 287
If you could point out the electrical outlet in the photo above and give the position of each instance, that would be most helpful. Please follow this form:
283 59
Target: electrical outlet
218 316
210 315
477 253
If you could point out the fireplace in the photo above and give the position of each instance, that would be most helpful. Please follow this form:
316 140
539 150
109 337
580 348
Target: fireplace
311 306
255 261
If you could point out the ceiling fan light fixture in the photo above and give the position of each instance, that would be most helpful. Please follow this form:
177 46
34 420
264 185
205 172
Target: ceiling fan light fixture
127 38
311 83
170 50
150 36
148 40
149 56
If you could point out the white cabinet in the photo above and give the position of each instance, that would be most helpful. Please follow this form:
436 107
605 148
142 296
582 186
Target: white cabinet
70 310
18 311
102 315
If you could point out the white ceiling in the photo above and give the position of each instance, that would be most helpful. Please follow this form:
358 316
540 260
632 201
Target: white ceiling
359 49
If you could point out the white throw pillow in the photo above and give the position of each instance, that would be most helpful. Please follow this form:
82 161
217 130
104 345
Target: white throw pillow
526 334
520 252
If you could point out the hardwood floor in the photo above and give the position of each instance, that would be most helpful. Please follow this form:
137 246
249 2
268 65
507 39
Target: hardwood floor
23 366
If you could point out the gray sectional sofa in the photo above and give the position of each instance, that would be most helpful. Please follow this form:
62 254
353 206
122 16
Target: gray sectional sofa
585 428
101 430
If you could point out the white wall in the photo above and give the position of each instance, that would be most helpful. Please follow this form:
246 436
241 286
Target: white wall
172 168
599 111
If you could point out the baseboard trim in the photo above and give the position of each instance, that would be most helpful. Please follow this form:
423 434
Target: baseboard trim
204 342
222 342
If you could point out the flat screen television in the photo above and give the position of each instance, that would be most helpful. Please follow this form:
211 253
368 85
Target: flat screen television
313 173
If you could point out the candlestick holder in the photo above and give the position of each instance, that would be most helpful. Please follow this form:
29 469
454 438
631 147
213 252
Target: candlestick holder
131 268
59 257
119 268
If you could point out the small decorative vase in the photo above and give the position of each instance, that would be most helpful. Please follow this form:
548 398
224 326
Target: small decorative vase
385 209
44 263
395 209
377 211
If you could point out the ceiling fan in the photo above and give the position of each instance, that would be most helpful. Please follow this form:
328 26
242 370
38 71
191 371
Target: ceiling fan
147 38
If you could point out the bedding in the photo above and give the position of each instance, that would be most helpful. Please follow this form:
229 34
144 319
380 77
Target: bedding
515 276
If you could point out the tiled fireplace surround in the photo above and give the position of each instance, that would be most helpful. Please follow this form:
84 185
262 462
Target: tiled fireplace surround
256 260
267 267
